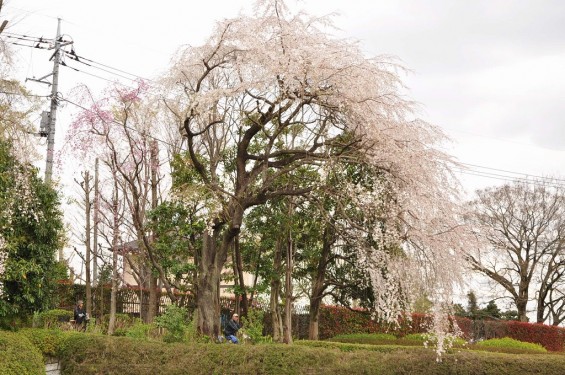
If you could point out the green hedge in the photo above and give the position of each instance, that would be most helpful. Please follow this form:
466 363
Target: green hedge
89 354
47 341
52 318
18 356
83 353
509 343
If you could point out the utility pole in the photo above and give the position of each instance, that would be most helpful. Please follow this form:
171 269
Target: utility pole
53 111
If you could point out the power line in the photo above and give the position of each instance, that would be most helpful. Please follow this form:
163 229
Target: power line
27 45
22 94
472 172
517 173
37 41
503 176
95 67
506 178
78 58
89 74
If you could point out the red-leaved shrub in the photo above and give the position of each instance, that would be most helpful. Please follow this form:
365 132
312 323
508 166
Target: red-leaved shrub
336 320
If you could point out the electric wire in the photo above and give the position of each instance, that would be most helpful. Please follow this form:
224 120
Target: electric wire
505 178
92 75
500 177
22 94
73 56
78 58
104 70
516 173
474 170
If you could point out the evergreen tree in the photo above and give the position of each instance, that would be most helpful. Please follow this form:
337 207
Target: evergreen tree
31 232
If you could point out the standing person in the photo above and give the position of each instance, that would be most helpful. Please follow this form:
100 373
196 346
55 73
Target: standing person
231 329
81 317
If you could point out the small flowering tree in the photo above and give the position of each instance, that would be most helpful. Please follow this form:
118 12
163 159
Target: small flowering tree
120 128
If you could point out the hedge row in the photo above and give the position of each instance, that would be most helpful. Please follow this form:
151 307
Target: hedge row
88 354
338 320
85 354
18 356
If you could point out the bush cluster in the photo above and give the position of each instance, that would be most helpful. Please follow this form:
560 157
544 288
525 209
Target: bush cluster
508 342
87 354
83 353
56 318
18 356
336 320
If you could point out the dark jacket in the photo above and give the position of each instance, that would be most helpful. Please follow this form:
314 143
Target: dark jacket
231 328
80 315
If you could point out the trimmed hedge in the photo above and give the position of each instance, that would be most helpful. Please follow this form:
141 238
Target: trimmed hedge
18 356
550 337
507 342
89 354
336 320
47 341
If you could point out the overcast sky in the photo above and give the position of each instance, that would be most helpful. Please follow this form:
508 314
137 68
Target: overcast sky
489 72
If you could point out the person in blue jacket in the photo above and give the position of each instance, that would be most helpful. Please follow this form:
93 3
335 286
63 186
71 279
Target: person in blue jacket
232 326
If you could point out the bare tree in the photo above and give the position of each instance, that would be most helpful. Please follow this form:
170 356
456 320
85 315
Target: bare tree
87 190
524 226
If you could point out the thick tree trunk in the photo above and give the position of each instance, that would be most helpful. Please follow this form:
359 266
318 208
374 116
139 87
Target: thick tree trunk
153 298
540 318
208 290
521 304
276 317
522 300
215 248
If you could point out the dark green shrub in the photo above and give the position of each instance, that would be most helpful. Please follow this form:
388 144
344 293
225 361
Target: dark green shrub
174 320
14 322
253 326
45 340
18 356
122 324
52 318
139 330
